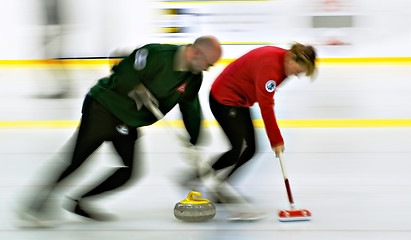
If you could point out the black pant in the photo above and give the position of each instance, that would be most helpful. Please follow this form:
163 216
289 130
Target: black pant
238 127
97 126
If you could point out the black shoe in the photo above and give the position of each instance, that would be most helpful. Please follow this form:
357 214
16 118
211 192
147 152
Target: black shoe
79 209
222 195
223 198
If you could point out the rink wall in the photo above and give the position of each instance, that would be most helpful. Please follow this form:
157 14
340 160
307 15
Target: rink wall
94 28
363 49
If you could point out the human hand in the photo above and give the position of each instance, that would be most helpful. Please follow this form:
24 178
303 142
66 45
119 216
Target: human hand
278 149
142 96
191 154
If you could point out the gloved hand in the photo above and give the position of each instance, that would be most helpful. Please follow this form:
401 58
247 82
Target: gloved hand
142 96
278 149
191 154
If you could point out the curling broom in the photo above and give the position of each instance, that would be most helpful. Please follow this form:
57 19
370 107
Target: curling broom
292 214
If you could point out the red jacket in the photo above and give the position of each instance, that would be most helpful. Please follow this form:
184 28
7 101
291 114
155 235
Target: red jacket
253 78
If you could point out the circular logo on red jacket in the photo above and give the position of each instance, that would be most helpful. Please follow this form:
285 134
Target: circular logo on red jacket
270 86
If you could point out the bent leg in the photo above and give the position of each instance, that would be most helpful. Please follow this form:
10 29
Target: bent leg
88 138
231 123
124 145
250 145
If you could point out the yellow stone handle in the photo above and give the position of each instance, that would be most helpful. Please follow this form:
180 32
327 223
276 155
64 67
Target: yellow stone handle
192 200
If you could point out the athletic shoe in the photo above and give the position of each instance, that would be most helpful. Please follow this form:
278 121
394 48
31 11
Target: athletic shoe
78 208
224 195
27 218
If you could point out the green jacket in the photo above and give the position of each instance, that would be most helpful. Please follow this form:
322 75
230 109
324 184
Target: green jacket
151 65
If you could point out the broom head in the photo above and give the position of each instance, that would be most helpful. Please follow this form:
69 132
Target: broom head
294 215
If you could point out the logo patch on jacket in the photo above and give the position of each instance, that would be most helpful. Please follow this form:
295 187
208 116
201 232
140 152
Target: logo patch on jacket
182 88
141 59
270 86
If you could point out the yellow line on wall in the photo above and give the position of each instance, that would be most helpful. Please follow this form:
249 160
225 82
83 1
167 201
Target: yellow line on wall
105 63
341 123
38 124
363 60
52 63
283 123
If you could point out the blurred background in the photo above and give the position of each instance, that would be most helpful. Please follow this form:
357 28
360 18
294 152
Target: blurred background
93 28
53 51
56 49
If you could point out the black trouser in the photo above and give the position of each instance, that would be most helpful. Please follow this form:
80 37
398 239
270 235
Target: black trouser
97 126
238 127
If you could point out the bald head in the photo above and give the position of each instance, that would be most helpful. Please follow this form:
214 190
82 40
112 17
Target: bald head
210 46
204 53
209 41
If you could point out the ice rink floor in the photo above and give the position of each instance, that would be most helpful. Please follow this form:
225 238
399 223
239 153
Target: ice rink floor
356 181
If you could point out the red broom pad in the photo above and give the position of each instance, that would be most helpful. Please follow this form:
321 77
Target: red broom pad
293 214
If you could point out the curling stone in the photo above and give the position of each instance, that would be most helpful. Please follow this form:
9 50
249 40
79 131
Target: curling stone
194 209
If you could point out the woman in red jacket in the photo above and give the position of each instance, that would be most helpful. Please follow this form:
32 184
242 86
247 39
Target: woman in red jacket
251 79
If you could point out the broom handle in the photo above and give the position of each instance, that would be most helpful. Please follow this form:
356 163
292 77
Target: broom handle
287 183
157 113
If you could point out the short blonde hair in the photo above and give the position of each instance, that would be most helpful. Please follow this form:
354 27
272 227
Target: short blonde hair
305 55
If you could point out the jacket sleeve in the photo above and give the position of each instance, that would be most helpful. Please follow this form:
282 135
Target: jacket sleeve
266 86
270 123
192 117
190 109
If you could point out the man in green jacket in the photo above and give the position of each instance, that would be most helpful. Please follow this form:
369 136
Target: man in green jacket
159 75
